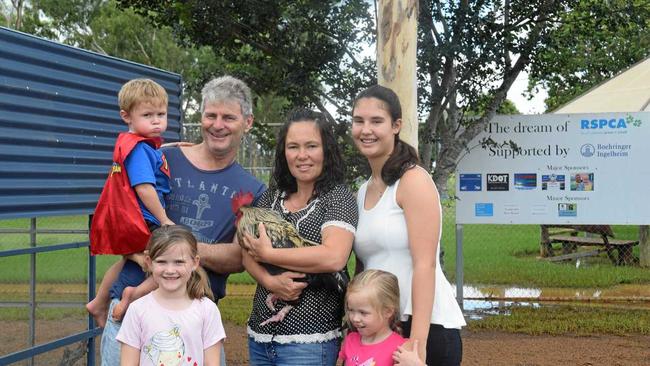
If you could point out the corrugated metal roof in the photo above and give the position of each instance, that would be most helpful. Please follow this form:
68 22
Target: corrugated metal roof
629 91
59 118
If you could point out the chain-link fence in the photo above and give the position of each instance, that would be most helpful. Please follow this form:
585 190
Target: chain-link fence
535 265
502 265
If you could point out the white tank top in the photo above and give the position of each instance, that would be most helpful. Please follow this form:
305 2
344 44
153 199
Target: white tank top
381 242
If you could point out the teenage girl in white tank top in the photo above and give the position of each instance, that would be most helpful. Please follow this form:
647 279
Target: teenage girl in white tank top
400 225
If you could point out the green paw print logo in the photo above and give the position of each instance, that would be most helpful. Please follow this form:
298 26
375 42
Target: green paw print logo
630 120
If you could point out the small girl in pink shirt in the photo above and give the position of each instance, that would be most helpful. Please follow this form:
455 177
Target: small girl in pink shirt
372 308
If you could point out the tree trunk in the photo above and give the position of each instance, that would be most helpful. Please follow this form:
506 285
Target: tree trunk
18 6
396 59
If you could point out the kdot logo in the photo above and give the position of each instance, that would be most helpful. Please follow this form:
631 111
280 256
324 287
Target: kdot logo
498 182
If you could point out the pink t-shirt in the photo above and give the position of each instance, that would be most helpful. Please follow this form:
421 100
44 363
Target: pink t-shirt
354 353
171 337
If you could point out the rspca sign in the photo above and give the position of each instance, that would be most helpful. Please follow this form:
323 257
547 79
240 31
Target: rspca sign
557 169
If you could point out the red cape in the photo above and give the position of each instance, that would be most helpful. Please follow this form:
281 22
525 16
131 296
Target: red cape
118 226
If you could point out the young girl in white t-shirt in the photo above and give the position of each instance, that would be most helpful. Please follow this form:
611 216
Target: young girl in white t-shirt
178 323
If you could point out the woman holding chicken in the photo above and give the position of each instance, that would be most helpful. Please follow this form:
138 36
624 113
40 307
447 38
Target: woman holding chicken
307 189
400 225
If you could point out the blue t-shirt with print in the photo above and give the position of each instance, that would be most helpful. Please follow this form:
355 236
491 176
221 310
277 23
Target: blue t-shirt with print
200 199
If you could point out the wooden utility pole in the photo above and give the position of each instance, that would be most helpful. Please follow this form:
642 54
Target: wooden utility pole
396 54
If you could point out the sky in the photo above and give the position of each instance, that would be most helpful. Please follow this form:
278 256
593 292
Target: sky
525 106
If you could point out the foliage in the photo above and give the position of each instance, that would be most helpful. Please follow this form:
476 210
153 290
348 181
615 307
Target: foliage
296 49
471 49
310 52
591 44
305 51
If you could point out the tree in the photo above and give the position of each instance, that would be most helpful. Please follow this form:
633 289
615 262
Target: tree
303 50
593 42
470 53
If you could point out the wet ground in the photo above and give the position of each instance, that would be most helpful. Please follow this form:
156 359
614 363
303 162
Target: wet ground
480 348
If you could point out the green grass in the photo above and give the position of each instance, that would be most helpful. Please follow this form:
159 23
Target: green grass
507 255
578 320
69 265
236 309
493 255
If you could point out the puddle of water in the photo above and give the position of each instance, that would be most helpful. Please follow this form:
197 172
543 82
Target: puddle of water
483 300
616 293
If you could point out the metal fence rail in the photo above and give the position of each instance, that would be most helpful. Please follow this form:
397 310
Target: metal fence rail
86 336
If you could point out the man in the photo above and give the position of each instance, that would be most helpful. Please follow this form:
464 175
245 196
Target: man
204 178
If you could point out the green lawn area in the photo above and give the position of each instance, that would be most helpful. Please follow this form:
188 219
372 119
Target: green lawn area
493 255
577 320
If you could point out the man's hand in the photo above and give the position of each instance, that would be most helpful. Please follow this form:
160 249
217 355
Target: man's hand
178 144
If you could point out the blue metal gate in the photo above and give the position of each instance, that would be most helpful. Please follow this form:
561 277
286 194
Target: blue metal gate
59 118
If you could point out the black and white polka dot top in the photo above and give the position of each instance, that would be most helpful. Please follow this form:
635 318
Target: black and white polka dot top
317 316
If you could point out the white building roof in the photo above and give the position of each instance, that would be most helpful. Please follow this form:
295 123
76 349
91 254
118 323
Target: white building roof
629 91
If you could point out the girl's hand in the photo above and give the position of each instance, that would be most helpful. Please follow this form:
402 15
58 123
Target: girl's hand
177 144
404 356
258 248
286 287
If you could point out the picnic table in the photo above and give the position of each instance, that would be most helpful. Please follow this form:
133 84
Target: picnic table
571 237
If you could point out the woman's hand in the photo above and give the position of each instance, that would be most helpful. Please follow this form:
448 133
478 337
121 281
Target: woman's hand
408 354
258 248
285 286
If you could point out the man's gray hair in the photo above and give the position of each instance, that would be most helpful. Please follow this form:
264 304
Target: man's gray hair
228 89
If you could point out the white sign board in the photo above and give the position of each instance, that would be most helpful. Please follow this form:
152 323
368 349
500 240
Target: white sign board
557 169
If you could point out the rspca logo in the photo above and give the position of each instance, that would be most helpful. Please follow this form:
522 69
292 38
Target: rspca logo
613 124
600 124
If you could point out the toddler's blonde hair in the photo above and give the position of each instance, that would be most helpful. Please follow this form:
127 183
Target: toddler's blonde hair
138 91
383 291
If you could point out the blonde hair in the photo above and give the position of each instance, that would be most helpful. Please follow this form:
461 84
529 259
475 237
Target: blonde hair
163 238
138 91
383 292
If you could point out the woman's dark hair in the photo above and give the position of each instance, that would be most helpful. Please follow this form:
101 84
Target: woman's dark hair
333 168
404 156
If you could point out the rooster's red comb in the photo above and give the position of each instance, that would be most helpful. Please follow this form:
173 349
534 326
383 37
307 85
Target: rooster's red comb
241 199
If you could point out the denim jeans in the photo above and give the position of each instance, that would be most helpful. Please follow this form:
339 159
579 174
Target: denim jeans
293 354
110 347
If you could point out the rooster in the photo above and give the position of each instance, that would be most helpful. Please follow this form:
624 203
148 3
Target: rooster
283 235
